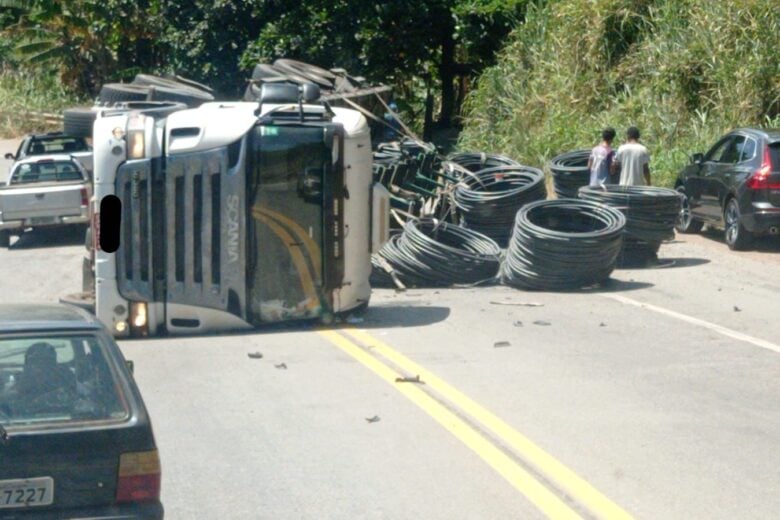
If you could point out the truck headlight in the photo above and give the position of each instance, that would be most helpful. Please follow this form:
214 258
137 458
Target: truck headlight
139 321
136 136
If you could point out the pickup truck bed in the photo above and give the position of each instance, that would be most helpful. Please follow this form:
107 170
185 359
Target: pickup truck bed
43 192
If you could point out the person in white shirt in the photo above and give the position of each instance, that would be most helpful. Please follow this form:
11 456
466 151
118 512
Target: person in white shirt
632 160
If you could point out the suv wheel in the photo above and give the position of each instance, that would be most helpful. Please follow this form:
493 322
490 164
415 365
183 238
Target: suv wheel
685 222
737 237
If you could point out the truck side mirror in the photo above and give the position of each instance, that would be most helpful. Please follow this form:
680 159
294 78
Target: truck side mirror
697 158
130 365
10 156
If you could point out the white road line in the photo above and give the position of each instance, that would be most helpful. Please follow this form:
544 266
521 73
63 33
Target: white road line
696 321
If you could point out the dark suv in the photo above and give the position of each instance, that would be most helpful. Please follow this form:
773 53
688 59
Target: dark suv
735 185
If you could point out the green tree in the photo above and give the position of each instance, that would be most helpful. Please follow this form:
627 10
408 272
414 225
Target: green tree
85 41
402 42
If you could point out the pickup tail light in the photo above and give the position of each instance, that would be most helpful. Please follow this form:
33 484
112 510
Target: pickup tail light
760 178
84 197
139 477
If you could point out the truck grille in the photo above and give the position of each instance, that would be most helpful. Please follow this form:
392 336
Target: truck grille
176 227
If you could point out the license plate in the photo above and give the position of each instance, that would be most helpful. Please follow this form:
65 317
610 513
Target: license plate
39 221
26 492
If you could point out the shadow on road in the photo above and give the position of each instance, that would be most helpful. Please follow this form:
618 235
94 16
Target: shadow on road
52 237
614 285
762 244
684 262
392 316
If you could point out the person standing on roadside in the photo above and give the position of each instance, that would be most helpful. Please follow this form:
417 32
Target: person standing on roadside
600 160
632 161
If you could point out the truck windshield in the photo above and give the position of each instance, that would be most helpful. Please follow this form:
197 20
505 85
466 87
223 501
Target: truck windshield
286 223
48 171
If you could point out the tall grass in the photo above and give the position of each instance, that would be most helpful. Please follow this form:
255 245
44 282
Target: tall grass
683 71
24 94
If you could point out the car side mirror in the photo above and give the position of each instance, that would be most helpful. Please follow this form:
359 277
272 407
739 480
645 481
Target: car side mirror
10 156
697 158
130 366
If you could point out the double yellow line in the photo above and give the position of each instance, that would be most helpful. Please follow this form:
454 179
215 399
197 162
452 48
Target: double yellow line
441 401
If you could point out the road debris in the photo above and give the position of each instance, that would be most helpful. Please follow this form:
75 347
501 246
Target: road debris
281 366
409 379
254 355
542 323
501 344
373 419
737 309
518 304
602 324
518 323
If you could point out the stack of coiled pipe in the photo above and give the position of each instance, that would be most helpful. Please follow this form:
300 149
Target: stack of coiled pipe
433 253
570 172
475 161
650 215
488 199
563 244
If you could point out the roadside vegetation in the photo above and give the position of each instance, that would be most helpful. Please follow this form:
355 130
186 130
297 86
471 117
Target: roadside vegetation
683 71
528 78
428 50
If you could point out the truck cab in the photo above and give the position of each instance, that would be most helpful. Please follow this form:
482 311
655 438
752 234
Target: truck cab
233 215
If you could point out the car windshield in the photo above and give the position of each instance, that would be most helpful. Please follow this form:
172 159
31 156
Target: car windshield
63 378
46 171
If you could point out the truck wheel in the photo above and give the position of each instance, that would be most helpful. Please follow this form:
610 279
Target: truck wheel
78 121
5 239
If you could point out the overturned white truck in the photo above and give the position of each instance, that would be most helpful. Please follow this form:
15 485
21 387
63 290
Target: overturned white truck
233 215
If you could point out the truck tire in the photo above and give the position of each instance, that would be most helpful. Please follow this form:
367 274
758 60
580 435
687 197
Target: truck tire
317 75
111 93
189 96
177 82
5 239
264 71
156 109
78 121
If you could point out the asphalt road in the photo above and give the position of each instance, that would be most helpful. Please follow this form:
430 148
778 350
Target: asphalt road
655 397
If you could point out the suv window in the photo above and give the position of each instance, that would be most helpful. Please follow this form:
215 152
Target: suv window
717 151
62 378
732 153
46 171
747 150
774 155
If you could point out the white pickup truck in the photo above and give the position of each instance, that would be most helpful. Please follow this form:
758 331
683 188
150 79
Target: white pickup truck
43 191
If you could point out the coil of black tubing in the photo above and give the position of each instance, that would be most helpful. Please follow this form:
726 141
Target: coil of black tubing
570 172
563 244
490 198
650 215
432 253
476 161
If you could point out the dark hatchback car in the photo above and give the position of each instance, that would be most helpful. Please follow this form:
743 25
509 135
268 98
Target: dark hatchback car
75 438
735 185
